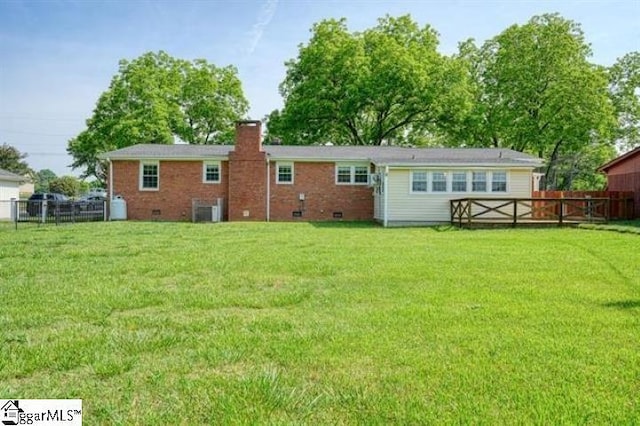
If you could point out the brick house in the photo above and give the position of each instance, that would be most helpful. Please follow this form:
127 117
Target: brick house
281 183
623 174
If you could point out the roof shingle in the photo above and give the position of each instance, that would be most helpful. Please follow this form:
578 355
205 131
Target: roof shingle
10 176
384 155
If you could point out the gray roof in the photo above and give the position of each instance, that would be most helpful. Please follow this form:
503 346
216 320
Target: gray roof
10 176
382 155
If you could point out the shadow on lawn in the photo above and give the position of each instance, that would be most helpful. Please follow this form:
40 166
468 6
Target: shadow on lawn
623 304
373 224
345 224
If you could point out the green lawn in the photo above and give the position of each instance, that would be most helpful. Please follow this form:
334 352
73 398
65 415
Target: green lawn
168 323
629 226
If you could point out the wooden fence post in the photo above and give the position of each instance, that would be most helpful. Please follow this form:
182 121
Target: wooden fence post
560 214
453 211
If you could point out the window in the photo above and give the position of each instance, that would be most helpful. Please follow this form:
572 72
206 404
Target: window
344 174
459 182
211 172
149 175
361 174
352 174
499 182
438 182
479 182
284 173
419 182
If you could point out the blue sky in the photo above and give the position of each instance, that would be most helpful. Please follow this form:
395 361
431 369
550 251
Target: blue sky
57 57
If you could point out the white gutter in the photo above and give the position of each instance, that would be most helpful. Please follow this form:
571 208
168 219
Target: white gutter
386 196
172 158
464 165
268 188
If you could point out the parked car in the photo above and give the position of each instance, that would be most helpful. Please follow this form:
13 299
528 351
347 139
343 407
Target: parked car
36 201
97 192
91 202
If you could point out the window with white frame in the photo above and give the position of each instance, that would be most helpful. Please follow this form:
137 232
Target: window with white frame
361 174
419 182
149 175
438 182
459 182
479 181
499 182
343 174
284 173
211 172
349 174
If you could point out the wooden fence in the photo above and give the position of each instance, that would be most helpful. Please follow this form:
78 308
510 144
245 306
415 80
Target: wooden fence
514 211
620 202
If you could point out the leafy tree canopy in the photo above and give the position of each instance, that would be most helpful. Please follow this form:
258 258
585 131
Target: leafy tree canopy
42 180
157 99
536 91
12 160
387 83
67 185
624 80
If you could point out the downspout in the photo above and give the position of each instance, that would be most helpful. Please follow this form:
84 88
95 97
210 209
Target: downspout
110 185
268 187
385 190
110 179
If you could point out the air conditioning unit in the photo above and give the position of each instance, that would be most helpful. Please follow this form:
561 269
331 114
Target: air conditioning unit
375 179
207 214
206 211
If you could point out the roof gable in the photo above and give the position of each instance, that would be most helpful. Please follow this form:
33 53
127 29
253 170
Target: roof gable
10 176
616 161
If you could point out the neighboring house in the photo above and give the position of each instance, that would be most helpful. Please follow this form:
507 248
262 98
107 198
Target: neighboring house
392 185
27 188
623 174
9 189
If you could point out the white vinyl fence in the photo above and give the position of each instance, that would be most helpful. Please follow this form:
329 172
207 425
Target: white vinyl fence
6 210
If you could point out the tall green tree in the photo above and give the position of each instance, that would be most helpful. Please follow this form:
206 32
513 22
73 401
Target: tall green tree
42 179
624 79
12 160
67 185
387 83
159 99
536 91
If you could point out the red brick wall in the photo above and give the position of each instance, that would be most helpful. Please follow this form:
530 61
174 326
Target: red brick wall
243 187
322 196
248 174
180 183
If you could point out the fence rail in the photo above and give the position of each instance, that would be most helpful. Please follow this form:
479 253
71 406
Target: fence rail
620 202
41 211
514 211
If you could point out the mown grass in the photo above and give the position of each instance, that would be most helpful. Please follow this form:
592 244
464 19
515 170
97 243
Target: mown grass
624 226
168 323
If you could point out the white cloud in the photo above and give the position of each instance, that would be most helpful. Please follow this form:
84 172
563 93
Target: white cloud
265 16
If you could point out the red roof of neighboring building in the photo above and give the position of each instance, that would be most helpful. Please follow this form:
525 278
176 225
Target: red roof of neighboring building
617 160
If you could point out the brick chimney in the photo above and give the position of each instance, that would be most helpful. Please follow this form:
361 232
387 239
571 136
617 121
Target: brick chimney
248 137
248 174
